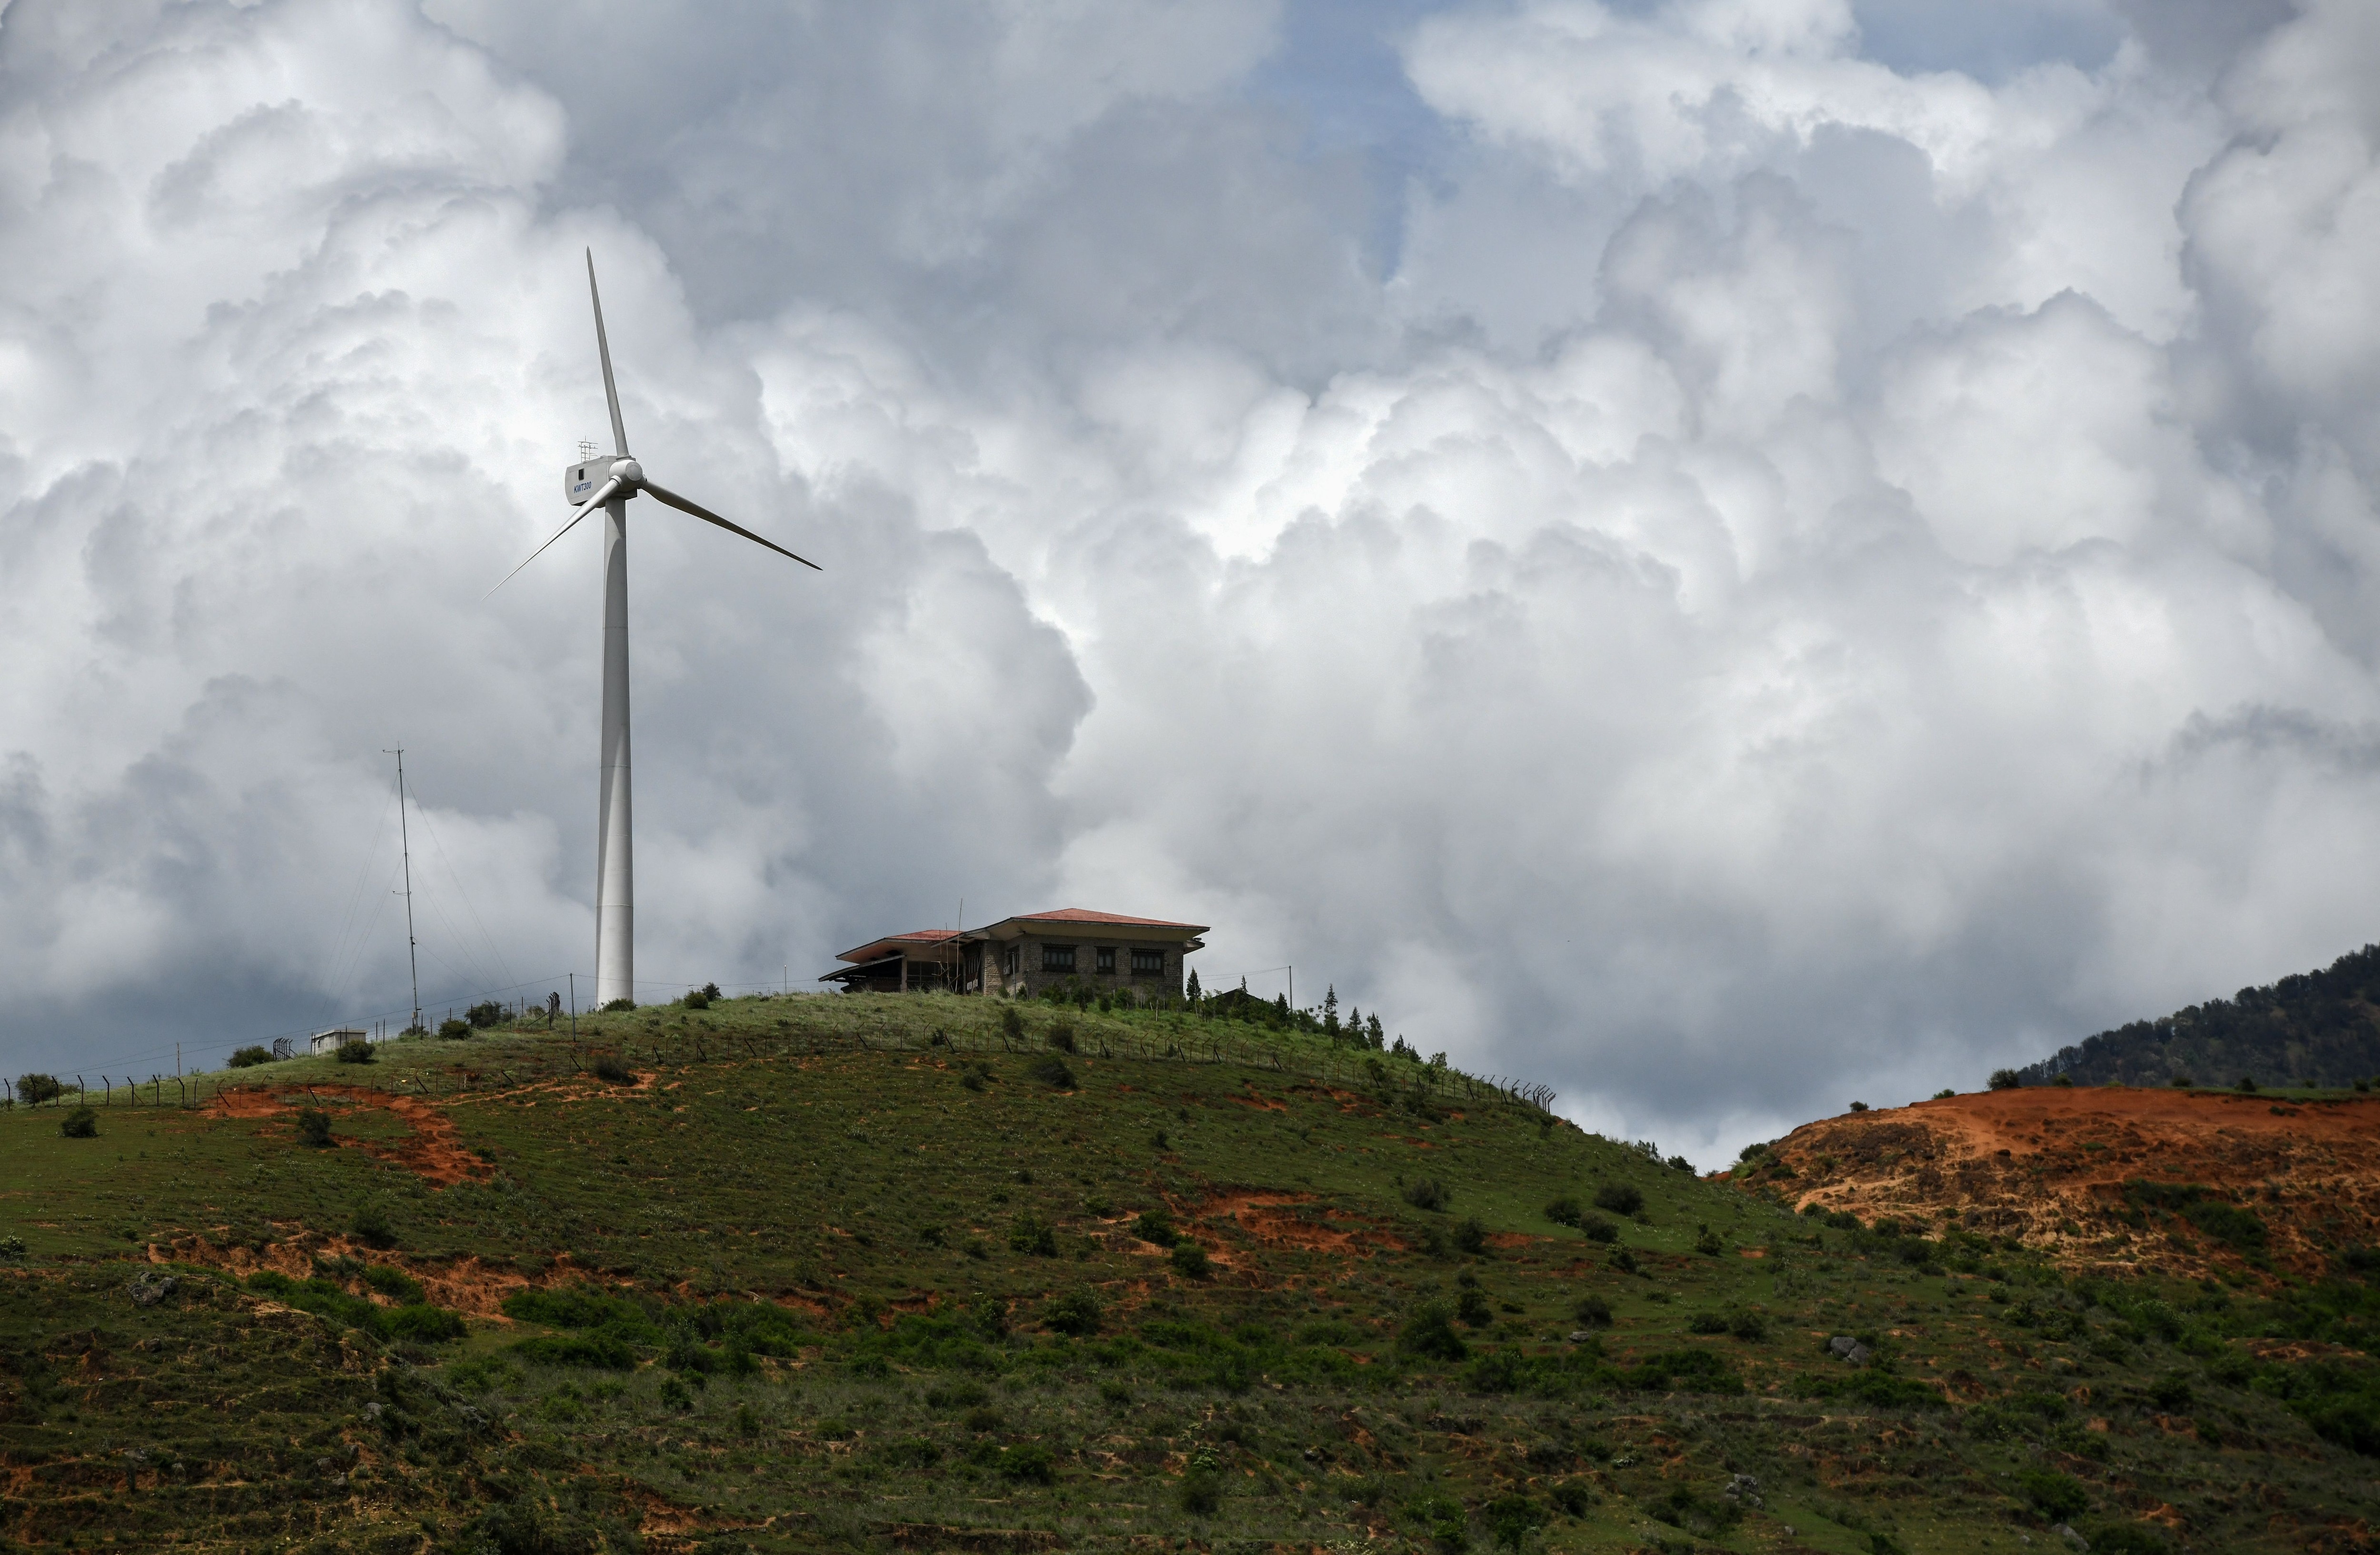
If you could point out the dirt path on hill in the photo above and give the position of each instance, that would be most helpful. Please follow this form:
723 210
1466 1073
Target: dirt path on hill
432 1151
2047 1165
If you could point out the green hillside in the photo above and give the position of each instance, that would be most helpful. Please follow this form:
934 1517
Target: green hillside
869 1272
2309 1029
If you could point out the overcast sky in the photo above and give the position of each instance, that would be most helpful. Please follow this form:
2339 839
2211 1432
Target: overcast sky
1726 555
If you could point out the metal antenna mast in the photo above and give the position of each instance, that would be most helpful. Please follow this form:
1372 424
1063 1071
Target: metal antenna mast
405 840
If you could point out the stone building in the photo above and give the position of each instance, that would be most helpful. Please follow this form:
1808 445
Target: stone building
1102 951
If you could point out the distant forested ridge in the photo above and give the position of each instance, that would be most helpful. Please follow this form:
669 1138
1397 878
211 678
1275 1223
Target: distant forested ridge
2312 1028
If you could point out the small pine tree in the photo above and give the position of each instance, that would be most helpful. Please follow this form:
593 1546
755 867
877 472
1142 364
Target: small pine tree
1331 1011
1194 985
1373 1034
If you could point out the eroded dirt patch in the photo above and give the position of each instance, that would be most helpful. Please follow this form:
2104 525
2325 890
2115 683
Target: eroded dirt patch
1281 1219
467 1286
2049 1165
432 1149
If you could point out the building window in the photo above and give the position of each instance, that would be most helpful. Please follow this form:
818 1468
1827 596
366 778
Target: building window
1103 959
1057 958
1008 962
1148 961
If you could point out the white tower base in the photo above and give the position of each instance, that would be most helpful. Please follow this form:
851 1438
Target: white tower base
615 888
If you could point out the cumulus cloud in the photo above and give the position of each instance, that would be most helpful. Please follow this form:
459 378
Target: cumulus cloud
1816 565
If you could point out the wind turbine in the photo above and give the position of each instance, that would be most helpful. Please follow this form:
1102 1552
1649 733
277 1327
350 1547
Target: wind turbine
594 482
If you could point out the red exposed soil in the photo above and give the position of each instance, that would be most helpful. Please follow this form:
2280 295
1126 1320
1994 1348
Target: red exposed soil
464 1284
2047 1164
432 1151
1274 1219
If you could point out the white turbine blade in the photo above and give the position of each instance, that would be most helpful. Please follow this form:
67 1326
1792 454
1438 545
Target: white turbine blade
708 517
603 350
603 494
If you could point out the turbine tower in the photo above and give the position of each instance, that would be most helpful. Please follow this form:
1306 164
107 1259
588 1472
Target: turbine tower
591 483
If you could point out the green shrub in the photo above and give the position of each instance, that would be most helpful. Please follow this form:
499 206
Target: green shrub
1684 1371
618 1006
910 1454
1471 1310
1061 1036
2059 1498
314 1127
1708 1243
695 1000
518 1528
1028 1465
1033 1236
1430 1333
453 1030
372 1226
1201 1493
1595 1228
1441 1519
1190 1260
486 1013
1592 1312
1427 1193
80 1124
1707 1322
1471 1237
1620 1199
395 1284
1564 1210
610 1071
248 1058
2235 1228
1573 1497
1052 1071
1510 1519
417 1321
2005 1079
602 1349
34 1089
2248 1082
2125 1538
1011 1024
421 1322
1882 1390
1156 1228
356 1050
1077 1313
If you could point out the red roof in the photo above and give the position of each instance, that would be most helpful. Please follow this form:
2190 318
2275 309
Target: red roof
875 948
1084 914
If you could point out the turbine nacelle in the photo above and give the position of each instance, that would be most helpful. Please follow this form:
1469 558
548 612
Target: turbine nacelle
578 482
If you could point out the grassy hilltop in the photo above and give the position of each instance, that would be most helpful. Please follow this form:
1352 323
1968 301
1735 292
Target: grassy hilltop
871 1272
